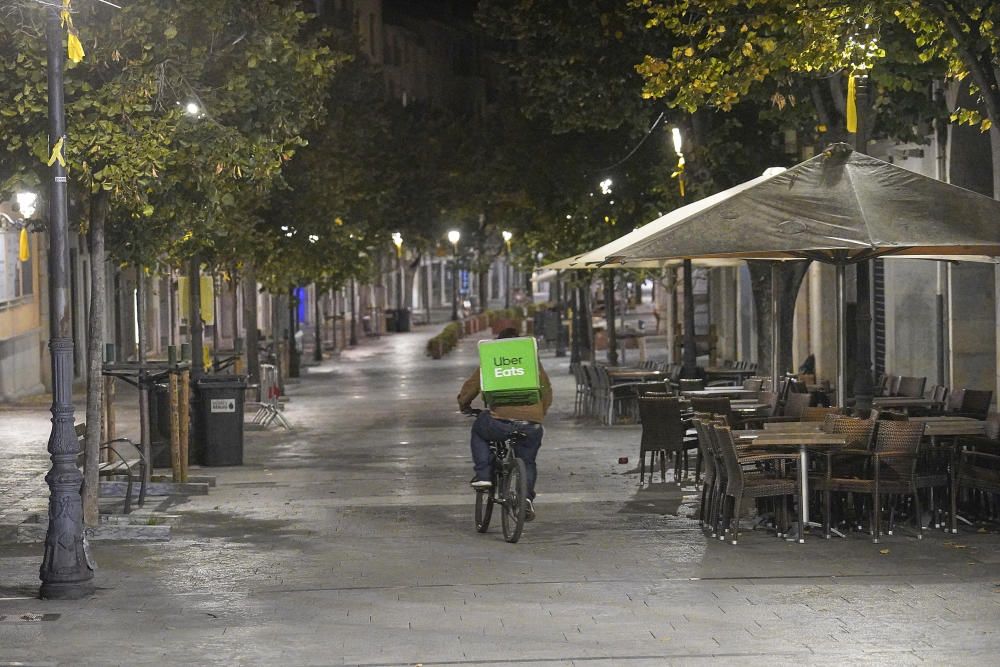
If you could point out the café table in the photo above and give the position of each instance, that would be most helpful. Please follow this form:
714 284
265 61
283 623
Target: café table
634 374
734 374
793 427
721 392
802 442
905 402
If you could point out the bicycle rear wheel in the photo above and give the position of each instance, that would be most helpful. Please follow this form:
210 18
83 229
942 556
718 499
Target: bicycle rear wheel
484 508
514 491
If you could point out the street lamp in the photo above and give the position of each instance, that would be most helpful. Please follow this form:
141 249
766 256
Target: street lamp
192 109
454 236
690 357
67 572
507 236
26 203
397 240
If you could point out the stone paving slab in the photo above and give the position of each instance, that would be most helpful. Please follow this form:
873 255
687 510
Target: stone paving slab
350 541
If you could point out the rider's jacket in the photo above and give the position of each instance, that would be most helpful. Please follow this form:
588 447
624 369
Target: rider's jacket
529 413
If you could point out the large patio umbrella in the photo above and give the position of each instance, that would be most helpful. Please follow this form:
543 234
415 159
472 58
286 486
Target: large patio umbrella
839 207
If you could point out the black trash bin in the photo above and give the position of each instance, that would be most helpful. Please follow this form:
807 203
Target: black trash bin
403 320
220 422
159 424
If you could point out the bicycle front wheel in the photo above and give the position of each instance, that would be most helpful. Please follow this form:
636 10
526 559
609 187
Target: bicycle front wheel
514 494
484 508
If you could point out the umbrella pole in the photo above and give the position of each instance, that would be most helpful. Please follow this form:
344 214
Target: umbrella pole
841 339
775 327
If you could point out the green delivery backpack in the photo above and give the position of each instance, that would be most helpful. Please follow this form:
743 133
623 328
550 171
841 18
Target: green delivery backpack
508 371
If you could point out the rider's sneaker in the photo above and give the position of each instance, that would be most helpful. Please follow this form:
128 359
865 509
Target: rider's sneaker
481 484
529 510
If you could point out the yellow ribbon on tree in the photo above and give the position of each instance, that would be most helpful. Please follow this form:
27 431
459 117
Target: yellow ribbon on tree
852 104
57 154
679 173
24 250
74 48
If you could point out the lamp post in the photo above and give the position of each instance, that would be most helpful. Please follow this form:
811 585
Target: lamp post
690 356
397 240
67 571
507 236
454 236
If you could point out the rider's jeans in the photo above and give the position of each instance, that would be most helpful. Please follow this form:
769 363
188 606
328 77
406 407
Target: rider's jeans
488 428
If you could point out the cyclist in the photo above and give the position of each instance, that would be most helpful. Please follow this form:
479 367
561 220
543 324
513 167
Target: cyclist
499 422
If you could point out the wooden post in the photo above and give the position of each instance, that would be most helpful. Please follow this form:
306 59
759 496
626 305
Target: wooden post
185 421
175 440
109 415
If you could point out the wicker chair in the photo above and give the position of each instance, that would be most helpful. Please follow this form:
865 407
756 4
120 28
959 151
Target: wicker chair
974 403
691 384
890 470
817 414
660 388
719 406
977 472
911 387
662 435
741 486
858 433
710 477
582 388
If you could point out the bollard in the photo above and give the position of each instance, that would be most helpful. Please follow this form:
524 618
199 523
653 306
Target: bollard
185 421
175 428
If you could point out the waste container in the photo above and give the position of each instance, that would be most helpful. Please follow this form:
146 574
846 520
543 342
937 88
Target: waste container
220 422
403 320
159 424
390 320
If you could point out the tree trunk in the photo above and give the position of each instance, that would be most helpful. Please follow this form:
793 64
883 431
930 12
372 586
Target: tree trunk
250 323
790 275
484 289
95 357
196 328
610 316
690 354
585 325
293 352
317 325
574 353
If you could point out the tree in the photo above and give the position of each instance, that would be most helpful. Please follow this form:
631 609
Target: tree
133 151
718 53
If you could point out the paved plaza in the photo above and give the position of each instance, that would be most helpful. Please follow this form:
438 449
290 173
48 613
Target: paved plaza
350 540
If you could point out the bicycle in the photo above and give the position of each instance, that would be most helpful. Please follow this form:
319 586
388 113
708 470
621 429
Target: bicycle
510 478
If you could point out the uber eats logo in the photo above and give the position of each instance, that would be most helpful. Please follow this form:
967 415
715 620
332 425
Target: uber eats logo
505 367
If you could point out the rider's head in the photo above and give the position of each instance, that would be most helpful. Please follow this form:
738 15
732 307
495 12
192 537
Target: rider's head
509 332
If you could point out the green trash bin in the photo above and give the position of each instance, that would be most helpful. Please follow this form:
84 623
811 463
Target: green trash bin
220 423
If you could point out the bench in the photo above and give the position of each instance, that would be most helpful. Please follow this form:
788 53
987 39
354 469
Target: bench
118 464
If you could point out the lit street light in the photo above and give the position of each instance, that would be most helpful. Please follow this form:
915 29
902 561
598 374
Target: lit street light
508 274
192 108
26 203
397 240
690 357
453 237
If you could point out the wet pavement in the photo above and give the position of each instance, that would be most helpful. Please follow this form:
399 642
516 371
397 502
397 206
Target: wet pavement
350 540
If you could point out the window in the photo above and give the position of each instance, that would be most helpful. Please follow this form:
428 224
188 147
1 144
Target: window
15 276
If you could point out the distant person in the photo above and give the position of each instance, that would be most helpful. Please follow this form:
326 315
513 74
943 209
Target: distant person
499 422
